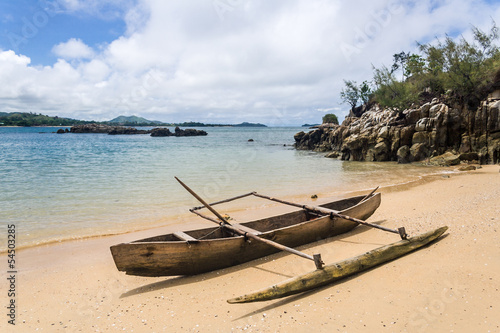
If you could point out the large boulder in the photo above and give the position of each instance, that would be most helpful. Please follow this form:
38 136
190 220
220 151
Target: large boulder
403 154
299 136
161 131
406 135
381 151
118 130
425 124
447 159
469 157
424 110
189 132
419 152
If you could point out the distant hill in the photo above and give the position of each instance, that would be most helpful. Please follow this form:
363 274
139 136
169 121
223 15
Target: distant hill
133 121
33 119
245 124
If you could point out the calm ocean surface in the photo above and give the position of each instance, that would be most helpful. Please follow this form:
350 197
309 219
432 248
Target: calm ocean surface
64 186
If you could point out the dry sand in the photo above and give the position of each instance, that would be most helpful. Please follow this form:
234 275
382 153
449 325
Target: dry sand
450 286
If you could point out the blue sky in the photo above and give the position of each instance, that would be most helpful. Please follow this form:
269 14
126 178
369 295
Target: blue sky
216 61
33 27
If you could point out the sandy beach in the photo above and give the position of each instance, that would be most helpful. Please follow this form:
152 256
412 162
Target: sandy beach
450 286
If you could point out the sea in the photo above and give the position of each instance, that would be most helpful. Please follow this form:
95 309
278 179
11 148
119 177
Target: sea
57 187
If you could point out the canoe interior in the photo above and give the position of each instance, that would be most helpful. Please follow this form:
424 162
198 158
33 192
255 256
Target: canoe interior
262 225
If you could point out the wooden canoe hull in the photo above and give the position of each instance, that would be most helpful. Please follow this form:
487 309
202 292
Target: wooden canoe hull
162 256
341 269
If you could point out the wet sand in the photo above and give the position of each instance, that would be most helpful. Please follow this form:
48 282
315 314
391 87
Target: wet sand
450 286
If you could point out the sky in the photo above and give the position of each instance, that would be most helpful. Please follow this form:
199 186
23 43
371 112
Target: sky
279 62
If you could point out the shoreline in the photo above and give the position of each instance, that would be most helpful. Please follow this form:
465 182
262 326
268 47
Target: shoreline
451 285
180 218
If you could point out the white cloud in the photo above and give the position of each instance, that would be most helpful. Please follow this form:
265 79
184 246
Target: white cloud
73 49
274 62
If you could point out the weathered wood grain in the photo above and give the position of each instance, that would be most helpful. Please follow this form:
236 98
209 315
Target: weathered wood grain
166 255
341 269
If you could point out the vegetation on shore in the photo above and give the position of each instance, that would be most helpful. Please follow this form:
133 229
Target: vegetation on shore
330 118
34 119
28 119
460 71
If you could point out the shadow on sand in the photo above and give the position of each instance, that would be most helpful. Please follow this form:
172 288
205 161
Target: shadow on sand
298 297
184 280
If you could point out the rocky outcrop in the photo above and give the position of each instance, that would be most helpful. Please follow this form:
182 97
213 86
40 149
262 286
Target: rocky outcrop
121 130
106 129
189 132
177 132
412 135
127 131
161 131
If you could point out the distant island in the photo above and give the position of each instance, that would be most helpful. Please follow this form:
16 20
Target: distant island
28 119
133 121
245 124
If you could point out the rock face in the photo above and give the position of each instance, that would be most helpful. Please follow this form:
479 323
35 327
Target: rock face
413 135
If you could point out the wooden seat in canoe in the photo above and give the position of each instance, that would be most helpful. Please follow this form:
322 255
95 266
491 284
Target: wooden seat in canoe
184 237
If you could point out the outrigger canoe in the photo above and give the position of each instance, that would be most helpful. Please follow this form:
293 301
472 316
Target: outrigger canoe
203 250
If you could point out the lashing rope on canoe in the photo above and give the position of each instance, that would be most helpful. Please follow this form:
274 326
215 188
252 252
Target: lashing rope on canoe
211 232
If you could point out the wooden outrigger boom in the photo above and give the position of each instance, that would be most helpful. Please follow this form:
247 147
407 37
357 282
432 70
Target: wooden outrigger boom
248 233
401 231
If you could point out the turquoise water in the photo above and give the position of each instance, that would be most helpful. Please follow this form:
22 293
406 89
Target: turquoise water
64 186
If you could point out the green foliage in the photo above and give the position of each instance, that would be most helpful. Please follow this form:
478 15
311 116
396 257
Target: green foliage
351 93
465 69
33 119
365 92
391 92
330 118
400 62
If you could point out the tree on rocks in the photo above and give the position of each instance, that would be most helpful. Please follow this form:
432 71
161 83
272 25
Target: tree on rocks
352 93
330 118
